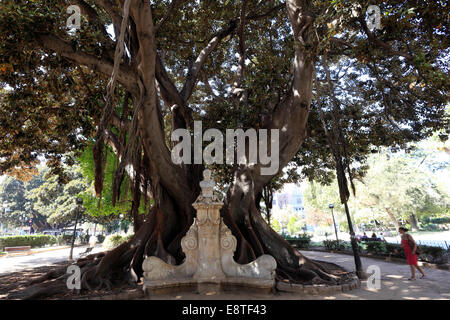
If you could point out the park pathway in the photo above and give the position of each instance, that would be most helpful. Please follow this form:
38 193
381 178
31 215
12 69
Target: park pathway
20 263
394 280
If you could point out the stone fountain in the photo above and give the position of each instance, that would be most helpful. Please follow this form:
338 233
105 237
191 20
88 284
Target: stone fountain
209 266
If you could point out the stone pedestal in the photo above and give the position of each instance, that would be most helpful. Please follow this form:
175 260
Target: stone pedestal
209 247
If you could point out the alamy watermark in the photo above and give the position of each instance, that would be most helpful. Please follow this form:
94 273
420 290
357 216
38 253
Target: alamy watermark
374 281
374 19
235 145
74 21
74 280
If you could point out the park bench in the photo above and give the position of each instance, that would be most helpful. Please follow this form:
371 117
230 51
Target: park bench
15 250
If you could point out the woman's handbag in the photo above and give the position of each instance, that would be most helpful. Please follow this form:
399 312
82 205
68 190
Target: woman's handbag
411 245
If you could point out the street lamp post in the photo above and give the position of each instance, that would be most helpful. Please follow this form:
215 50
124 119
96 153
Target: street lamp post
331 206
78 209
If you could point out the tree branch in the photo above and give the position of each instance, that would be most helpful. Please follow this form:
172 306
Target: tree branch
115 17
171 176
291 114
104 66
171 8
269 13
168 89
387 48
122 124
113 140
196 67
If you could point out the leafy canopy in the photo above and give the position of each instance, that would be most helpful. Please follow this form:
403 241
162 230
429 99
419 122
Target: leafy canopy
390 85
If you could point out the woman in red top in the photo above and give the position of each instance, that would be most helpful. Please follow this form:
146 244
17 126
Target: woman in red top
410 247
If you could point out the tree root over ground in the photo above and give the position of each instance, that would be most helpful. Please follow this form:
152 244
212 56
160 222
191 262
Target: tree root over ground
49 282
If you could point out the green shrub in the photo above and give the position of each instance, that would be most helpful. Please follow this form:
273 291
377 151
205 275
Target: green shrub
316 244
430 227
334 245
362 246
115 240
302 241
390 250
34 241
436 255
376 247
347 245
429 254
64 239
128 237
442 220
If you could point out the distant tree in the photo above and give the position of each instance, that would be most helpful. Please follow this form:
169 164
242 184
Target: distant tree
19 209
315 217
296 224
276 225
12 194
397 186
401 187
56 200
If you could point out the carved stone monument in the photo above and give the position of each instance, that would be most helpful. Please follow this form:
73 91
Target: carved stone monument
209 247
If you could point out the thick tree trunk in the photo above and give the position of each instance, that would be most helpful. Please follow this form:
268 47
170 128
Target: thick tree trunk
40 222
393 218
267 196
256 237
167 223
413 221
160 236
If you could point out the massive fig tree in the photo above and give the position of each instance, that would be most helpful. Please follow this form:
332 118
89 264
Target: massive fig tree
137 70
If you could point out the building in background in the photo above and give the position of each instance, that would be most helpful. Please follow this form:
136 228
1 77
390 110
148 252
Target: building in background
288 203
291 195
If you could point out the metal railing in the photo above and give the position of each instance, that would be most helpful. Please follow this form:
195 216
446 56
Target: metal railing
432 243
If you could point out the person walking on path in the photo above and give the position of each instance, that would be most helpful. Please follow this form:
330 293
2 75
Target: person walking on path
410 247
